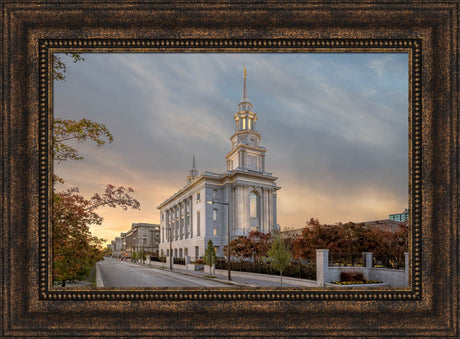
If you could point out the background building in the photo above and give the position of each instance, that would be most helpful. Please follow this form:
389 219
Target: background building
117 247
243 197
143 237
400 216
123 244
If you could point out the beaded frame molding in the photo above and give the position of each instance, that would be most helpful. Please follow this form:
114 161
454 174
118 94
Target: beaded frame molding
34 30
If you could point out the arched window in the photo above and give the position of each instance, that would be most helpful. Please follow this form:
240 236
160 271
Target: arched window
253 205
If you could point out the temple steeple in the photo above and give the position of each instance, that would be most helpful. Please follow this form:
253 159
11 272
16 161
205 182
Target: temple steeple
246 154
193 173
245 105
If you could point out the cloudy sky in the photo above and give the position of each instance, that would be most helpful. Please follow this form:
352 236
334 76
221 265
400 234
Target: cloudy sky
335 127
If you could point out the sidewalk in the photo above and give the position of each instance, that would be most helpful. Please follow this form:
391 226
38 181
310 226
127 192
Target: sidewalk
243 279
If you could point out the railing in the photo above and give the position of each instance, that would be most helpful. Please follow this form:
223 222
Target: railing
339 259
395 262
179 261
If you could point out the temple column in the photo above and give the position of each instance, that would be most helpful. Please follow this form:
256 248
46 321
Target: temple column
191 216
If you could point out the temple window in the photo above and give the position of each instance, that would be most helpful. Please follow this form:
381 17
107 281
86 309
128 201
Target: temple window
253 205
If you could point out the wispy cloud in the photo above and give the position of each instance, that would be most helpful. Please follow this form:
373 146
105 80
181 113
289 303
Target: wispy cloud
335 126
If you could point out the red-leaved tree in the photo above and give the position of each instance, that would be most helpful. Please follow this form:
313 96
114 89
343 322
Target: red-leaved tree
351 239
254 246
75 249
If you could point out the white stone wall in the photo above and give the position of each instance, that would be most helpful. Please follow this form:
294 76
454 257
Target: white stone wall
334 272
199 205
396 278
190 229
236 193
205 226
326 274
190 244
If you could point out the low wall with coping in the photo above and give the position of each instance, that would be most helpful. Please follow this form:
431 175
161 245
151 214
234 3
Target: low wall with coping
334 272
192 267
326 274
395 278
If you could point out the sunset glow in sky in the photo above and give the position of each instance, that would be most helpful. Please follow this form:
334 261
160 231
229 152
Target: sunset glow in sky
335 127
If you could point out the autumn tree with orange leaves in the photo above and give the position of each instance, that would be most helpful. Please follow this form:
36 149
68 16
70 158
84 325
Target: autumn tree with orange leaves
254 246
351 239
75 249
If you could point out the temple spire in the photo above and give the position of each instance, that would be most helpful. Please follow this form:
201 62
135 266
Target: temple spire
244 96
245 105
246 154
193 173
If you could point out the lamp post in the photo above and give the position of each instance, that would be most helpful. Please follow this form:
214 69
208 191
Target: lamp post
142 249
228 232
168 229
170 249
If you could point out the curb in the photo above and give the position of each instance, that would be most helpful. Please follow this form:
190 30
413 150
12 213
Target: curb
203 277
223 281
99 282
211 279
231 282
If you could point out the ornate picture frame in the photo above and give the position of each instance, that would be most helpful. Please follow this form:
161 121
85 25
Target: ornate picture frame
33 31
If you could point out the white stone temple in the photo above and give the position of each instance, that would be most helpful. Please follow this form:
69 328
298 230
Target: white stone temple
246 191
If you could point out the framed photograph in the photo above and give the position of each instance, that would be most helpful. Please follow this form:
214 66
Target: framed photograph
233 126
310 149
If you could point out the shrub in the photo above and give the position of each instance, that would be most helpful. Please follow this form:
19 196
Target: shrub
352 276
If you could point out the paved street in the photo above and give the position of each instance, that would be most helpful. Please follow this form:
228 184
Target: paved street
115 273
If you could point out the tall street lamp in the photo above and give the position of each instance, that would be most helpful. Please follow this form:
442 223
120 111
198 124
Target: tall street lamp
142 251
168 229
228 232
134 248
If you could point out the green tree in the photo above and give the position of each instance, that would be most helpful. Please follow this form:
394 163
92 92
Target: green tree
79 131
75 249
59 67
162 257
133 255
279 255
107 250
210 256
141 254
